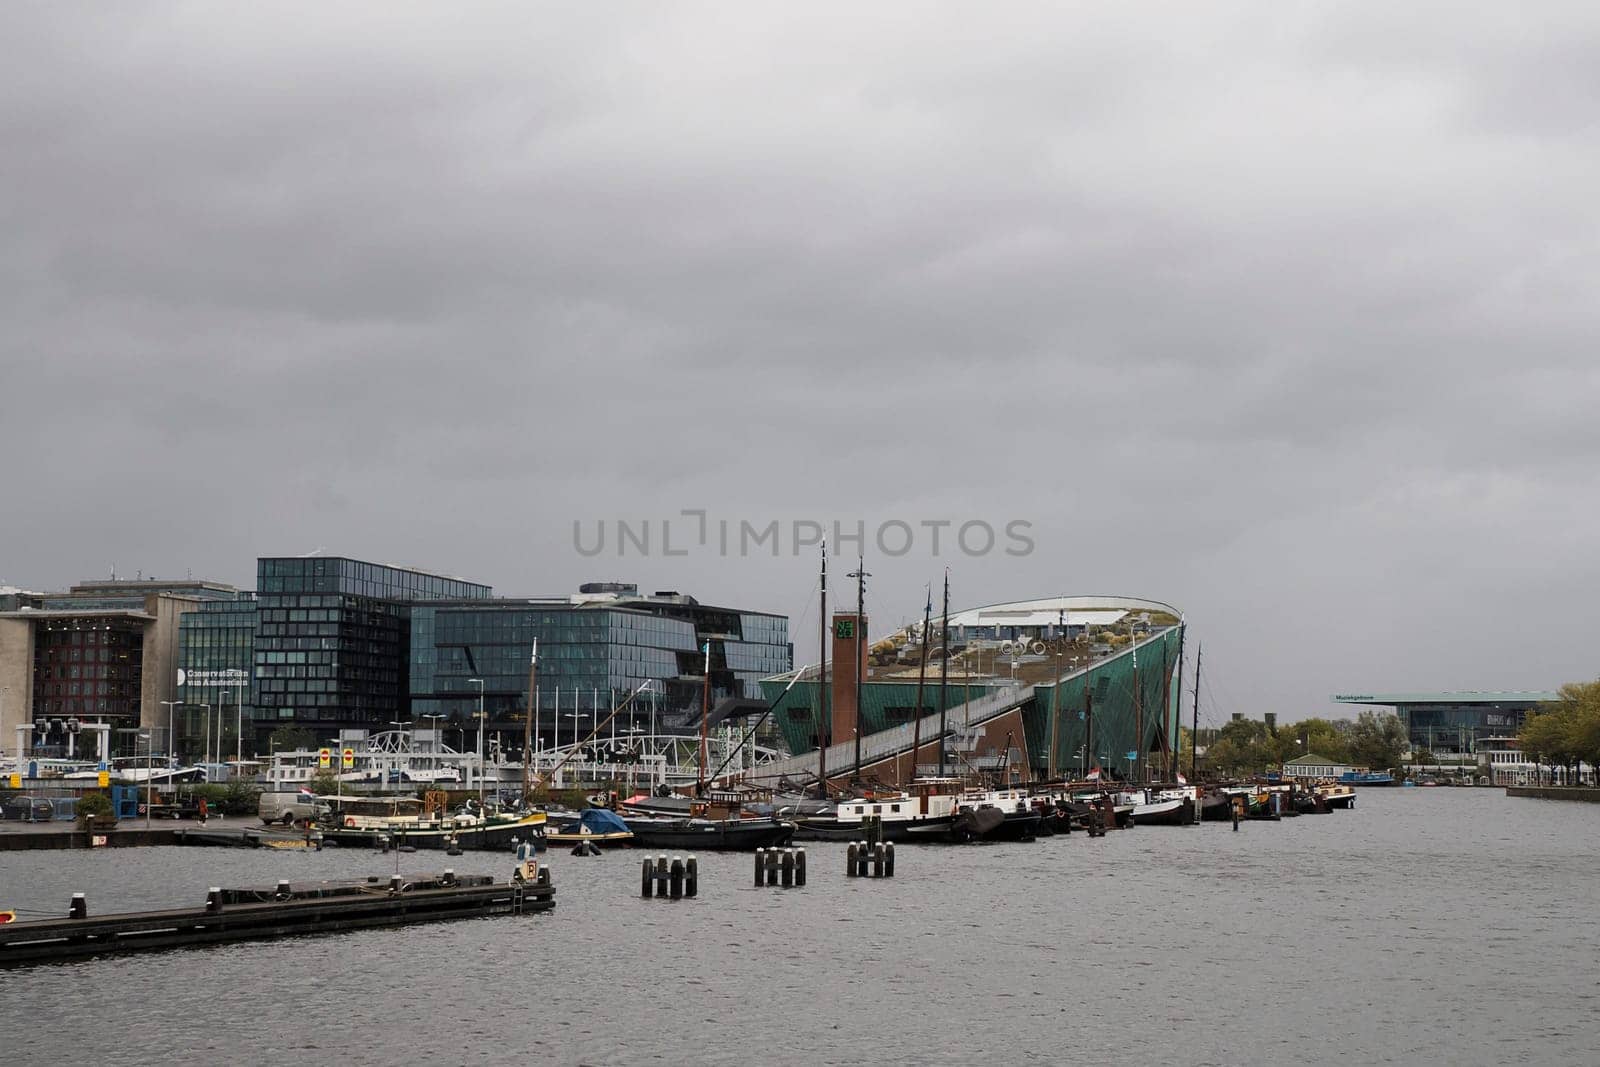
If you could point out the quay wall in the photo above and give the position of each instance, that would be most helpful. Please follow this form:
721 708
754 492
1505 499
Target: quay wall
1555 792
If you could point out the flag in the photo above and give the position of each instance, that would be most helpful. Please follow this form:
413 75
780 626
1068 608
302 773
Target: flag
1094 775
306 792
1182 780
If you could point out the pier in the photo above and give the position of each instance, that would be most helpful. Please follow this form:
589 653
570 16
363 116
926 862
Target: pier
277 911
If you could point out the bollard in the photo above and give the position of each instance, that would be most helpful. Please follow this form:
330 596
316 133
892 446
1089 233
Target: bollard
761 855
214 899
675 879
799 866
877 860
788 868
691 877
449 878
772 866
646 883
396 885
850 860
888 860
283 891
863 857
79 908
544 876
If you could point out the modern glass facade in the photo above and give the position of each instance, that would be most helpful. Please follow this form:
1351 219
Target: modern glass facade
217 658
332 638
590 657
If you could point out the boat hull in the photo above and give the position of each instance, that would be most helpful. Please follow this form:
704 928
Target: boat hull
1163 813
724 835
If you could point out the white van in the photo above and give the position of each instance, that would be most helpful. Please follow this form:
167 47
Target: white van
290 809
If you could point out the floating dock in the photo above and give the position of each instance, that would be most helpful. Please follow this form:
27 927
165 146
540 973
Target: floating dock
268 912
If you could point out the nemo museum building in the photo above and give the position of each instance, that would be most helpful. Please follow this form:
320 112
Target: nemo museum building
1029 690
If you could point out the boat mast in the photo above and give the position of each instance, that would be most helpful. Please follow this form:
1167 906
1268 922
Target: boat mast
861 577
1194 731
944 666
922 677
1176 707
1137 769
527 726
825 724
705 715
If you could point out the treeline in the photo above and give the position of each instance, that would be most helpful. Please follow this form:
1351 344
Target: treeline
1249 746
1566 731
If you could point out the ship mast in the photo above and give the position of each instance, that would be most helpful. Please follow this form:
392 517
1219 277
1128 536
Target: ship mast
922 676
861 577
527 727
944 666
825 723
705 716
1194 731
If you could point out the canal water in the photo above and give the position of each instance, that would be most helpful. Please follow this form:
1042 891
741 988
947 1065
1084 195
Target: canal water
1424 926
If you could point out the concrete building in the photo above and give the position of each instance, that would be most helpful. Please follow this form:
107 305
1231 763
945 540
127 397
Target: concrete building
1453 723
100 657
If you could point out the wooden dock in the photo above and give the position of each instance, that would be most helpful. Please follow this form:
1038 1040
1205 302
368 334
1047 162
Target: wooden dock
276 911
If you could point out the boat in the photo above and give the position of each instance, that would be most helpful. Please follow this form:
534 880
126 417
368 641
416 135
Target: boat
596 826
1367 778
1216 807
404 821
1337 794
698 834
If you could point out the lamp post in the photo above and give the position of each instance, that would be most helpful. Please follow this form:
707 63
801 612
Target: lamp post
479 683
207 758
172 747
148 777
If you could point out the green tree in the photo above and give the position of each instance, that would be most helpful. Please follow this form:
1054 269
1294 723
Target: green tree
1376 741
323 783
1565 731
291 738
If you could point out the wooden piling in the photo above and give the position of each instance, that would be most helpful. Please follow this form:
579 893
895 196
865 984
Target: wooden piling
691 877
799 866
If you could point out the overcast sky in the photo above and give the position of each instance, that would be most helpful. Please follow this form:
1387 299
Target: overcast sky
1283 314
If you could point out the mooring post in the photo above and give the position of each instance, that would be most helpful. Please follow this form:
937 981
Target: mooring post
888 860
850 860
646 883
799 866
544 877
788 868
449 878
214 899
396 885
863 857
761 855
691 877
79 908
877 860
675 879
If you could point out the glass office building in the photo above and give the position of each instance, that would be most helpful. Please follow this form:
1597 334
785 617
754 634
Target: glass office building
591 656
217 660
332 638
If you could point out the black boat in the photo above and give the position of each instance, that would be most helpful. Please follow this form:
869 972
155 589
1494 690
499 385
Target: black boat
1216 807
727 835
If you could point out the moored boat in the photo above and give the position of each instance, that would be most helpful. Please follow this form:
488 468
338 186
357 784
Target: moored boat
595 826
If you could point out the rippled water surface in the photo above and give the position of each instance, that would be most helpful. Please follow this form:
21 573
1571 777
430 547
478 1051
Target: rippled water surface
1427 925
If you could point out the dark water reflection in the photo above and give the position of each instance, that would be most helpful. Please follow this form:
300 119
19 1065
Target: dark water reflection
1447 926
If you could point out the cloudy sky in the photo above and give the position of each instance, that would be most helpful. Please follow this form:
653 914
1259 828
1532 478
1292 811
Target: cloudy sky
1280 313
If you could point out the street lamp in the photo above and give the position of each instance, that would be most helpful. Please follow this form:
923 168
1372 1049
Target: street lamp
479 683
171 748
207 758
148 779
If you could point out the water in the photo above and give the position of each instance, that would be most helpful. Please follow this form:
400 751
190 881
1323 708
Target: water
1427 925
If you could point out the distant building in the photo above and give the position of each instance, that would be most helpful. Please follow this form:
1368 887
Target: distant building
1454 723
1312 765
332 643
595 647
103 652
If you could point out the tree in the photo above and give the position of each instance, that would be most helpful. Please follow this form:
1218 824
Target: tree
1566 731
323 783
291 738
1376 741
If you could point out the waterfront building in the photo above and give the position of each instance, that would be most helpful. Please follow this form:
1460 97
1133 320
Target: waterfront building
332 638
1454 723
1312 765
216 680
1035 688
595 647
98 659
